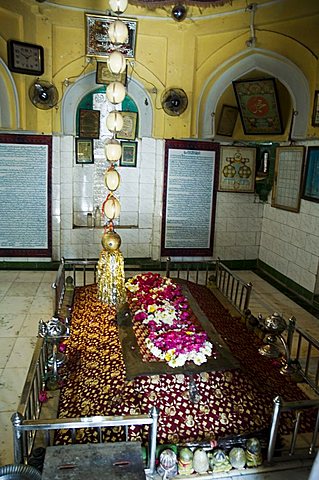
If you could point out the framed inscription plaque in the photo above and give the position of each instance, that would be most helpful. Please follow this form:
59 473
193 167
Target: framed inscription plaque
189 201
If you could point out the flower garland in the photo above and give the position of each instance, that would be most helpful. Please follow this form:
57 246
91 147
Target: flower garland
173 336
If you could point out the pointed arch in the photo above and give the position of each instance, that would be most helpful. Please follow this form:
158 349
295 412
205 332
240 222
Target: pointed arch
9 103
269 62
85 85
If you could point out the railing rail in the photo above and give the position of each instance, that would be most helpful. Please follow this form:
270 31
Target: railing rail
26 421
23 429
75 268
234 288
198 272
308 366
297 407
30 406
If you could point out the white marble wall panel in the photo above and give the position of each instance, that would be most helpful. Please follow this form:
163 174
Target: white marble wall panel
145 220
293 237
244 228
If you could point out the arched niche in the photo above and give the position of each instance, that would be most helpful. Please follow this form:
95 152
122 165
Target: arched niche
275 65
9 104
86 84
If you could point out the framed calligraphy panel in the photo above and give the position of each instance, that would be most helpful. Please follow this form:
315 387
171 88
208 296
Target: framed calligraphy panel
258 106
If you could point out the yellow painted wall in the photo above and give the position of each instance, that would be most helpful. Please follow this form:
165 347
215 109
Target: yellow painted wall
190 54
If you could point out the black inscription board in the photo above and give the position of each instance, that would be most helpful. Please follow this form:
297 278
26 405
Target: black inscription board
25 195
189 198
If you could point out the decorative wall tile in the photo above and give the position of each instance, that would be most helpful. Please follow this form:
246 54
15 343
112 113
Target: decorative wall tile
307 280
312 244
298 238
225 239
245 238
145 220
234 253
139 251
237 224
144 235
129 235
251 252
314 209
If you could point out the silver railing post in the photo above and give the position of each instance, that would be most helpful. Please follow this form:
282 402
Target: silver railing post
291 327
168 267
274 428
248 293
16 420
154 413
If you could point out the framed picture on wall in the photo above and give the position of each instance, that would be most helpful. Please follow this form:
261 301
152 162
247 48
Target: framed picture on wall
315 112
288 178
84 150
188 218
128 131
227 121
129 154
104 75
311 181
258 106
89 123
237 169
98 43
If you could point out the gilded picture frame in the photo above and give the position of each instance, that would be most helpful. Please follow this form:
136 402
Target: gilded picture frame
104 76
129 154
237 169
258 106
84 150
98 43
129 129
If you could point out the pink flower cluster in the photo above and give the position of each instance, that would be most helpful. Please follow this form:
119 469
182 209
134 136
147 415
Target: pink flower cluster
172 333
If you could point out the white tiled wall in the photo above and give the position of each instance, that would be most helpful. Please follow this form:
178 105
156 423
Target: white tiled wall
237 226
238 216
245 229
290 242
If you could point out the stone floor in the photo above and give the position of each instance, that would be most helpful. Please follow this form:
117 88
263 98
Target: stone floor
26 298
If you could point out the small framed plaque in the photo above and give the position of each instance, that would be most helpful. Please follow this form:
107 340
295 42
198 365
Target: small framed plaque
129 154
227 121
104 75
128 131
84 150
89 123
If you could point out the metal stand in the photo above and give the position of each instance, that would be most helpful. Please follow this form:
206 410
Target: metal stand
53 332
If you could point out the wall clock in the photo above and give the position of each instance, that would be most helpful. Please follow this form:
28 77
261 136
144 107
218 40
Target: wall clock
25 58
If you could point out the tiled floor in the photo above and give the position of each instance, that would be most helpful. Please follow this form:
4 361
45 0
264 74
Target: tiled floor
26 298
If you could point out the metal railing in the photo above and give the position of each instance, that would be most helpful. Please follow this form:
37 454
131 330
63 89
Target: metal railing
26 421
297 408
232 287
30 405
25 429
197 272
304 353
79 271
